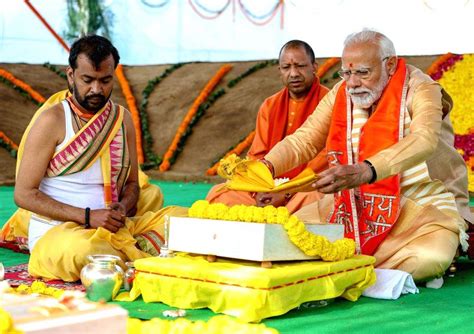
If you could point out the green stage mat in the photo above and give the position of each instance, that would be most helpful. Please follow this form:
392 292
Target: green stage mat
447 310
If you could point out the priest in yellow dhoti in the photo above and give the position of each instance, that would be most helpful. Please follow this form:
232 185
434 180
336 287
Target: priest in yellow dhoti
16 228
78 174
383 128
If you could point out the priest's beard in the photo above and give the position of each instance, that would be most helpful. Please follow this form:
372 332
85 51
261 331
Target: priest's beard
86 101
372 95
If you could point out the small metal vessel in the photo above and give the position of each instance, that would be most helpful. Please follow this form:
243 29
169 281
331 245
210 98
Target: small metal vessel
102 277
129 276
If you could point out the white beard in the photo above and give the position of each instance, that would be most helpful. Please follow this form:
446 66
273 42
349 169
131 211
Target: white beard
371 96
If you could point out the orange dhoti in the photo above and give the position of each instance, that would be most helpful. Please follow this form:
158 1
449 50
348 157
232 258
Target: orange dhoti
220 194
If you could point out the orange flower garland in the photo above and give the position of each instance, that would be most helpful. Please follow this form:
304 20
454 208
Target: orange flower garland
236 150
8 144
132 106
434 67
327 65
165 165
8 141
21 84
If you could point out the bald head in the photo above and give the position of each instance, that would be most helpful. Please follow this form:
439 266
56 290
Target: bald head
297 44
297 68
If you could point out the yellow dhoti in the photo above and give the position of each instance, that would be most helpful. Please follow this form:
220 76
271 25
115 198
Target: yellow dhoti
73 243
16 228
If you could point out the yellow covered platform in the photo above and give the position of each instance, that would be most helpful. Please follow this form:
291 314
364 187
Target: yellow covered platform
244 289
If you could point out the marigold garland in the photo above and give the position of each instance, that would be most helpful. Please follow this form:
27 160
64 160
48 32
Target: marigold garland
8 144
213 98
22 86
40 288
458 82
201 111
442 64
241 146
311 244
203 95
327 65
151 159
132 106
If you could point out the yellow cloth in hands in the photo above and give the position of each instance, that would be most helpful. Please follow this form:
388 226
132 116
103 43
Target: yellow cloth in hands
254 176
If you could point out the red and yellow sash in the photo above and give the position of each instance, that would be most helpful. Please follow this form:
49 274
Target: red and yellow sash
102 137
370 211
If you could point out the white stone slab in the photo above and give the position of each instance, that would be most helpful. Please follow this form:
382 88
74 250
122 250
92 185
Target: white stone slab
241 240
106 318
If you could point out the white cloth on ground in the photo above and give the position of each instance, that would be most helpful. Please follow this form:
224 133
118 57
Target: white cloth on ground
390 284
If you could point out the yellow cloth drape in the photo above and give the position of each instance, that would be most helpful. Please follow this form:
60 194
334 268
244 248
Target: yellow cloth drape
254 176
72 244
244 289
150 199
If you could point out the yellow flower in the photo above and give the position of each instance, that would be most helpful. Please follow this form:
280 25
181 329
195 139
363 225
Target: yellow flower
6 322
459 83
40 288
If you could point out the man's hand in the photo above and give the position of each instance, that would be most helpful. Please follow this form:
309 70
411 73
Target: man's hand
109 219
122 208
275 199
342 177
119 207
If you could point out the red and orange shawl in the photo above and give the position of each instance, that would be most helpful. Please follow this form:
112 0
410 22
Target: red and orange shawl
370 211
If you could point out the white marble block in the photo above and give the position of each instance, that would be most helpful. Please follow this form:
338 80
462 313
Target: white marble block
241 240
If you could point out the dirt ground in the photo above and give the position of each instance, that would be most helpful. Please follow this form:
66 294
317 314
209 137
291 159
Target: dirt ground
223 125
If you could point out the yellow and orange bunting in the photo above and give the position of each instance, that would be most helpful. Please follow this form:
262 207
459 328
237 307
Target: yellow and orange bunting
203 95
132 107
23 85
238 149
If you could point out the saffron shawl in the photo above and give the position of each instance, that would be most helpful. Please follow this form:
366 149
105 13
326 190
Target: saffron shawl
279 119
370 211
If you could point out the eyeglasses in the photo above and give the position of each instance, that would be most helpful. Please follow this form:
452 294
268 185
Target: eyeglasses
362 73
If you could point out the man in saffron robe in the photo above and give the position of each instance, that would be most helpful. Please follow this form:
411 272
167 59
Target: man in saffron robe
280 115
382 127
79 173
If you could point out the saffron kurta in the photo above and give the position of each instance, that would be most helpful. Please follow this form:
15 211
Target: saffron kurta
278 117
426 235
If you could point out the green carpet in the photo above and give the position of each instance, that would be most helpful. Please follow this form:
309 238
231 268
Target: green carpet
449 309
